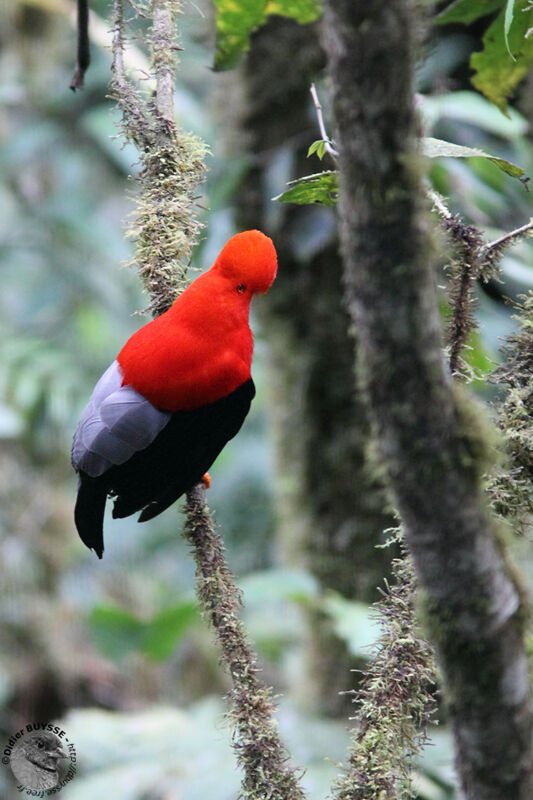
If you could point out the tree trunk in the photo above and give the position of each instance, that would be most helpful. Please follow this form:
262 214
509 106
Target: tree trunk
430 436
333 505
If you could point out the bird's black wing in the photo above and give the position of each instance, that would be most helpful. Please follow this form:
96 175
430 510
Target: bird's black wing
155 476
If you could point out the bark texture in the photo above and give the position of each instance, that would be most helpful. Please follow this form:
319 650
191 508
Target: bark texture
429 435
333 506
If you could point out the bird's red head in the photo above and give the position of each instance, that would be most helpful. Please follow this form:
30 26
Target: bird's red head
249 258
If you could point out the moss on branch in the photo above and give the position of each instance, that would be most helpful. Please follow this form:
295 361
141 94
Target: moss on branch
166 225
396 699
260 752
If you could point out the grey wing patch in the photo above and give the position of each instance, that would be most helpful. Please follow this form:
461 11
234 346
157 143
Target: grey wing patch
116 423
110 381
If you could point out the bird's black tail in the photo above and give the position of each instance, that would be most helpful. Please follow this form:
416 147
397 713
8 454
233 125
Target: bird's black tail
89 513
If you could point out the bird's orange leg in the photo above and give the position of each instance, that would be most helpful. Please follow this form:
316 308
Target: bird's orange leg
206 480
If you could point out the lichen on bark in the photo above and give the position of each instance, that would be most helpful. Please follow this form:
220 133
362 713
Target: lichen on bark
166 225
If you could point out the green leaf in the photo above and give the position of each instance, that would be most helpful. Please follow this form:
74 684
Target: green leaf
115 630
497 75
321 188
167 628
466 11
318 147
508 21
237 19
437 148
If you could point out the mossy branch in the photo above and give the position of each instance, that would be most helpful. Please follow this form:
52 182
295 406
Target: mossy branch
257 743
473 259
166 228
166 225
396 699
492 252
510 488
163 55
464 270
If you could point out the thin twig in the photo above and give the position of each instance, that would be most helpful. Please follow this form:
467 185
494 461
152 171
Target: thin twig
505 241
118 43
83 55
464 271
163 59
139 12
439 204
462 321
323 133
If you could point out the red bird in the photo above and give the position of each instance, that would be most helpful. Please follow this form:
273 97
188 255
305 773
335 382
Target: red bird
178 391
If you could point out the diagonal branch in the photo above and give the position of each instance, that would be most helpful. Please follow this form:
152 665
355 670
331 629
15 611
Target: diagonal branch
261 754
494 250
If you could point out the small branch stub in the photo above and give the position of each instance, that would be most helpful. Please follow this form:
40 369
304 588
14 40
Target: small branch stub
323 133
83 58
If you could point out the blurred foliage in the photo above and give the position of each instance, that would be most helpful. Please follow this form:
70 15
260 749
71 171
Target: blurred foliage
110 646
507 51
321 188
507 54
235 23
117 631
436 148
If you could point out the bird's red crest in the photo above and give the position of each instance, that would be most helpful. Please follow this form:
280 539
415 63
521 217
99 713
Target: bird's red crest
250 258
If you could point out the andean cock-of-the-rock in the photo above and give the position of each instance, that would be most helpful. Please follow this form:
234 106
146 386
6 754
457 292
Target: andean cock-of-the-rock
177 392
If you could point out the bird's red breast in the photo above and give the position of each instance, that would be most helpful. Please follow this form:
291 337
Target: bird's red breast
200 350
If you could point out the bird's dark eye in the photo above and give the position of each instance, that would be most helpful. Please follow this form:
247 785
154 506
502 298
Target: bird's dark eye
40 745
241 288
